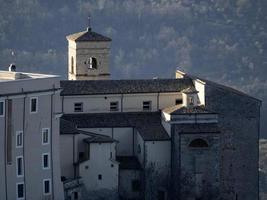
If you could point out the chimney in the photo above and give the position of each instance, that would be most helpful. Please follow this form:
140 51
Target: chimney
12 67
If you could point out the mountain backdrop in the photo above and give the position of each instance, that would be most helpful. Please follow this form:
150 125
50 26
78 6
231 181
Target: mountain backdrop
221 40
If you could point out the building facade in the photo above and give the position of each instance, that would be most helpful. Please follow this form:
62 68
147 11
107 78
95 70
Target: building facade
182 138
29 136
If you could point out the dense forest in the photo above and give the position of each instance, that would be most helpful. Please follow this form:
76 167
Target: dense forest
221 40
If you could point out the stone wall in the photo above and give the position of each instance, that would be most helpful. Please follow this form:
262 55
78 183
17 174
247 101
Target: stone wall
239 119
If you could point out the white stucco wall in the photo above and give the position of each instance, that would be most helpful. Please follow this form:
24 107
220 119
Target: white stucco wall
200 87
158 153
126 102
100 163
66 156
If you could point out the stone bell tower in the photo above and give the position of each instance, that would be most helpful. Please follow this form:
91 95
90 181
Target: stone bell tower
88 56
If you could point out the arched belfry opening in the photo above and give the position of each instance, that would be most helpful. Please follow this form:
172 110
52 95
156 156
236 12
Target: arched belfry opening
198 143
92 63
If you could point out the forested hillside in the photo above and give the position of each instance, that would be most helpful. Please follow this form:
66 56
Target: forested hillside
223 40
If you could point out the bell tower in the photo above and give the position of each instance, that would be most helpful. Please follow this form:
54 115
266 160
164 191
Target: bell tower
88 56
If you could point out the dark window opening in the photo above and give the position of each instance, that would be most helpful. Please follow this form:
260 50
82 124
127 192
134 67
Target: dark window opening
92 63
114 106
1 108
63 178
136 186
198 143
191 100
46 161
76 195
81 156
19 166
47 186
78 107
178 101
146 105
34 105
99 177
161 195
20 190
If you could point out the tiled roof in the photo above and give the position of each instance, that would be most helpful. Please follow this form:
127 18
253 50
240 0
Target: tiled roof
87 35
67 127
148 123
190 90
89 87
198 128
128 162
180 109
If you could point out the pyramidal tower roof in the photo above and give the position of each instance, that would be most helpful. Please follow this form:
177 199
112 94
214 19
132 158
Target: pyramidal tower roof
87 36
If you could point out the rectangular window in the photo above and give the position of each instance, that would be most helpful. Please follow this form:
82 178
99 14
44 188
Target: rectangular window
178 101
45 136
20 171
136 185
146 105
19 139
46 161
2 108
99 176
47 186
20 191
33 105
78 107
114 106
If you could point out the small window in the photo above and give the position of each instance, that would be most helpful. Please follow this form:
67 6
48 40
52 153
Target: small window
92 63
136 186
191 100
146 105
139 148
20 191
76 196
2 108
99 176
45 136
78 107
19 139
46 161
72 65
161 195
198 143
178 101
47 186
114 106
33 105
19 163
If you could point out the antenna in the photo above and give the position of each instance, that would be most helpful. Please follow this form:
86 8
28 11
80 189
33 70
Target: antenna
89 23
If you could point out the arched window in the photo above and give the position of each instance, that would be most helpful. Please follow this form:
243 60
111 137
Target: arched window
198 143
92 63
72 65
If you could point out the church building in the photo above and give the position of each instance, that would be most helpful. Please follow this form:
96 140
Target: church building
184 138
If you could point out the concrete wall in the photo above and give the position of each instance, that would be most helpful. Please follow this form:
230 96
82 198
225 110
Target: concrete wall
100 163
31 124
67 159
